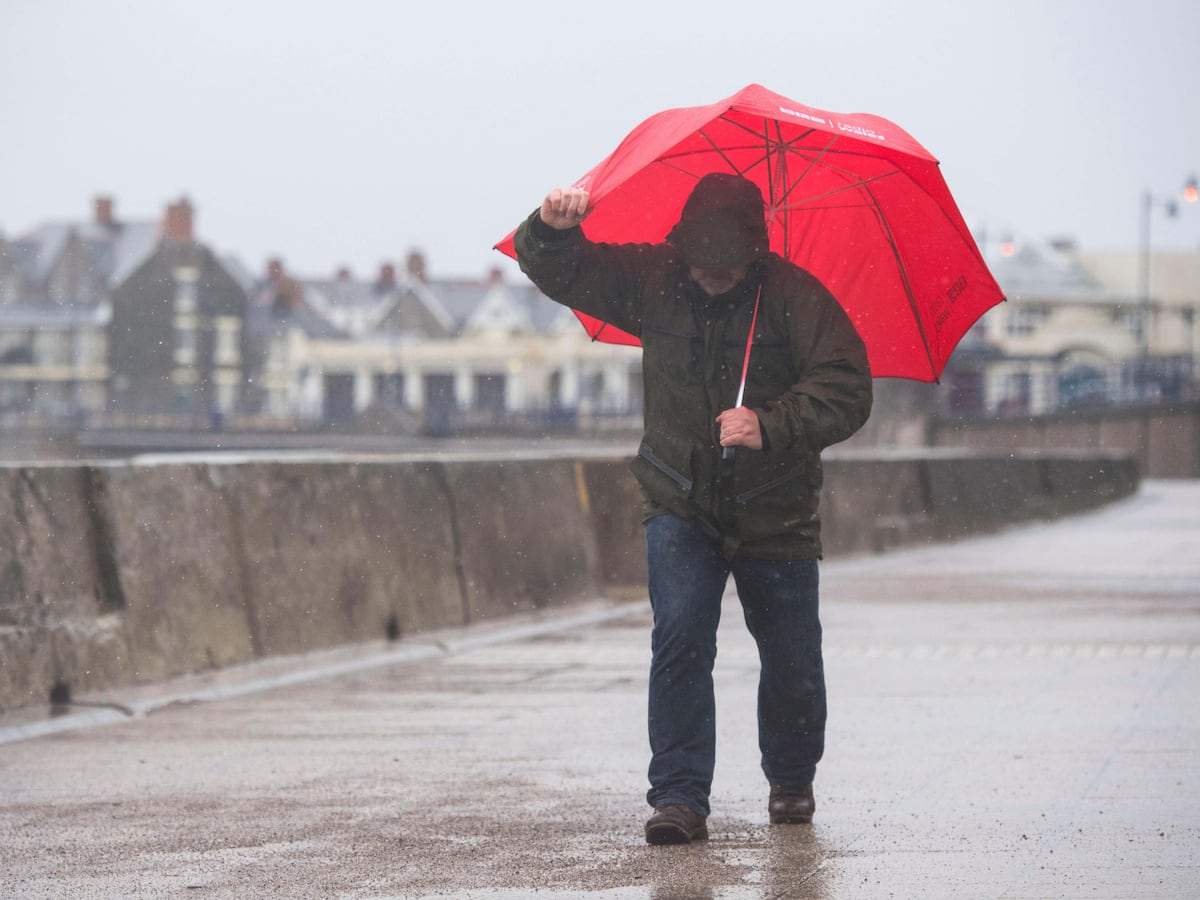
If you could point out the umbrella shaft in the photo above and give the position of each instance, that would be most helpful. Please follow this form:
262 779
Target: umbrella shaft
749 343
727 452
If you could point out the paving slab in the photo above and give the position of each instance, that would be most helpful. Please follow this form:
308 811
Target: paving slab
1011 717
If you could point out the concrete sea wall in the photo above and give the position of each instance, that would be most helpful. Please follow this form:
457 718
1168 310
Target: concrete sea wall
118 574
1164 440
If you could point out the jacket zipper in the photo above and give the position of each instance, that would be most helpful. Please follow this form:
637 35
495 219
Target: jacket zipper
649 455
749 495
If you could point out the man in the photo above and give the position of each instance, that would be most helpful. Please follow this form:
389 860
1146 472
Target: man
727 489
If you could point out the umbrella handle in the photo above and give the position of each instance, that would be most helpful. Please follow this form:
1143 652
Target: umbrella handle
727 452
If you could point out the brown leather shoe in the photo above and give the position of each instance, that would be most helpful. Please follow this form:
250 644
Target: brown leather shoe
791 805
675 824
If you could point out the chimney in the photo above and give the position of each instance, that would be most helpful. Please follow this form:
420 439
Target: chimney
387 276
495 276
103 206
343 273
416 265
286 293
177 223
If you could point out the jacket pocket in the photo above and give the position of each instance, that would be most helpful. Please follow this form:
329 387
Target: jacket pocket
778 499
683 482
777 482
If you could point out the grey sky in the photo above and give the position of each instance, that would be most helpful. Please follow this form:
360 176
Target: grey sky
352 132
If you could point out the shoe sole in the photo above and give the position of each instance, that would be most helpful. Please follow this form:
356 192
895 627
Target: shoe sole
661 835
791 820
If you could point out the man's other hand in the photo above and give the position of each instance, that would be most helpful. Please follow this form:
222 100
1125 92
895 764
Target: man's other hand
565 208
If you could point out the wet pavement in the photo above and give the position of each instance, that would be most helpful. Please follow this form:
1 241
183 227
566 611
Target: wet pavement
1013 716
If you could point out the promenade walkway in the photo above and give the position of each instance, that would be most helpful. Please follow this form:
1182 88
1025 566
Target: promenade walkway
1010 717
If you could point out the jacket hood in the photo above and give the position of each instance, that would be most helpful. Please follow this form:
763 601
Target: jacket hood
722 225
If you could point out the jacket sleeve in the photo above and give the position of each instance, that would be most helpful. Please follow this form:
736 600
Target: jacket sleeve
832 397
607 281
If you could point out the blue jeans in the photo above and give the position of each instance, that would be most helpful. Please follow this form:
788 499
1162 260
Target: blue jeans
779 601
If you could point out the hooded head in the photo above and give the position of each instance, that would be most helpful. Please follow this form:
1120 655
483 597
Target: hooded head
722 225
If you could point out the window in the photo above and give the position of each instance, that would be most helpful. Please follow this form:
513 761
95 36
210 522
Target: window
1128 318
227 390
227 351
489 392
1025 320
52 348
591 386
90 348
185 341
389 389
183 382
186 280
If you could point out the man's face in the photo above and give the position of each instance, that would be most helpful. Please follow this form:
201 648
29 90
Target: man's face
717 281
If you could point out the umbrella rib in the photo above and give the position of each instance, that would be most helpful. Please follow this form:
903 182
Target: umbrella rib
719 151
781 171
912 300
783 148
862 183
755 134
746 128
779 148
812 164
828 150
668 159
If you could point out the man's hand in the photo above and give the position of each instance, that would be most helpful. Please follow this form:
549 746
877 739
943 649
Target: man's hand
740 428
564 208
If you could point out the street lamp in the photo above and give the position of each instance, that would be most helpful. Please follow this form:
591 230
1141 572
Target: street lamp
1170 206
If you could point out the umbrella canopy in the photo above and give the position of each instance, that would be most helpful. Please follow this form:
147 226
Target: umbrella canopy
852 198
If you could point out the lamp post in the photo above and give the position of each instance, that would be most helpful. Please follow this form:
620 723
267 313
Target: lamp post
1170 205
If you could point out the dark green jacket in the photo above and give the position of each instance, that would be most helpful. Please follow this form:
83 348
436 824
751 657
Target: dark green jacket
809 381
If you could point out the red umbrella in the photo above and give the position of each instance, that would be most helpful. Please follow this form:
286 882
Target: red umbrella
853 199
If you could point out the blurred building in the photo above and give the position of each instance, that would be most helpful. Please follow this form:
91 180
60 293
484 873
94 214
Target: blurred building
1074 333
176 342
105 315
410 351
140 321
56 286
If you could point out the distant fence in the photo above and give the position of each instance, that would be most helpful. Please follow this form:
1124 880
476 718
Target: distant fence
116 574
